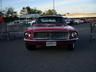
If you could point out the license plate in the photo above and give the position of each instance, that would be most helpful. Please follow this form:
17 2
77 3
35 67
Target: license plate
50 43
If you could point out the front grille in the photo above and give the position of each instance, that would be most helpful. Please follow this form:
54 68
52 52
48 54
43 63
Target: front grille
51 35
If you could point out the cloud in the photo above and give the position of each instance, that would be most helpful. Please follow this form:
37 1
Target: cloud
74 6
26 0
86 8
22 1
61 6
57 4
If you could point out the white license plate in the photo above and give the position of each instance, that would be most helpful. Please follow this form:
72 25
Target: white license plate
50 43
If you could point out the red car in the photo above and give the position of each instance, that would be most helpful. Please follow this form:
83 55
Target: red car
50 31
1 19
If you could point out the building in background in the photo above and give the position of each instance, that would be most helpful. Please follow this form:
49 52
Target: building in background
79 15
87 17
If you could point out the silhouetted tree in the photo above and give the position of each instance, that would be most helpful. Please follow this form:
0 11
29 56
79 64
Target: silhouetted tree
50 12
28 10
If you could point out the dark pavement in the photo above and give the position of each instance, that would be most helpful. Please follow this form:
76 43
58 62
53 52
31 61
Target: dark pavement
14 57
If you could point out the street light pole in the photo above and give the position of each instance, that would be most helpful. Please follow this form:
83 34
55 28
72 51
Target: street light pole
54 7
53 4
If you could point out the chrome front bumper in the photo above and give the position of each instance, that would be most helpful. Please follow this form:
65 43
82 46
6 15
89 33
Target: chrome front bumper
51 40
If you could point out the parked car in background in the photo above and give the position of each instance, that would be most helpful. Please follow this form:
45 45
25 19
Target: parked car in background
20 22
31 22
25 21
68 20
1 19
50 31
78 21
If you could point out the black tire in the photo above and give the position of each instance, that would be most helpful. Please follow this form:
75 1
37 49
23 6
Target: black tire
71 47
30 47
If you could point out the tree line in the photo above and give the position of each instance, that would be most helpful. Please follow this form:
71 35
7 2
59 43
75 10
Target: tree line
11 14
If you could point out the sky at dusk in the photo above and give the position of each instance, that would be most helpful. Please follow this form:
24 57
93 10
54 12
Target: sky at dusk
61 6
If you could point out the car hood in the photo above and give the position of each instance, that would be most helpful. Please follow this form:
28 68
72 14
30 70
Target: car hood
50 27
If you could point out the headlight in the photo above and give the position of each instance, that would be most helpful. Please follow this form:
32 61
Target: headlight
74 34
27 34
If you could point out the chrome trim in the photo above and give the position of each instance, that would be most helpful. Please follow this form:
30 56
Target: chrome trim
50 40
61 35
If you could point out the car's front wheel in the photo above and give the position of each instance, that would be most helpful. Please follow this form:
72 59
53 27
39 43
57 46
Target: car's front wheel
71 47
30 47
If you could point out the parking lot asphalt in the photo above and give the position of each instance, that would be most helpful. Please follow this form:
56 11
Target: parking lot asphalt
14 57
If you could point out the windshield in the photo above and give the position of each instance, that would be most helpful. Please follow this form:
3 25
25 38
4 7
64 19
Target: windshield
50 20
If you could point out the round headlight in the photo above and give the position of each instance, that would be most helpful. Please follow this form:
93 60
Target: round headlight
27 34
74 34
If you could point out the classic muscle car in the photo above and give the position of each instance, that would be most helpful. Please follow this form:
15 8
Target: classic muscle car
50 31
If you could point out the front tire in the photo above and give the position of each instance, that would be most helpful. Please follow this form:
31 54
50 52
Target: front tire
30 47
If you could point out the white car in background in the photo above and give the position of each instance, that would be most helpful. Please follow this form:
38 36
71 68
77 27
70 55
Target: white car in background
31 22
78 21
